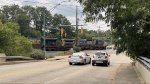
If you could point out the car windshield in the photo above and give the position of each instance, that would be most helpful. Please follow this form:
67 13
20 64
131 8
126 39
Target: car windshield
99 53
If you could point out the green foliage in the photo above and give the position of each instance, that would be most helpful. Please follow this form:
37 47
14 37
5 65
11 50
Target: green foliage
1 51
20 46
37 54
60 19
89 34
12 43
76 48
31 21
23 20
130 22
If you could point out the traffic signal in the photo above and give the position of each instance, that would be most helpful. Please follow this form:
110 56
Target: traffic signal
81 31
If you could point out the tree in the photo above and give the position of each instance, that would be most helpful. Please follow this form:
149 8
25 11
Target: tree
31 21
24 22
130 21
12 43
40 12
89 34
60 19
10 13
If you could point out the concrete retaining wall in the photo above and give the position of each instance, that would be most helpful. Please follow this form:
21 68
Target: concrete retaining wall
144 71
2 57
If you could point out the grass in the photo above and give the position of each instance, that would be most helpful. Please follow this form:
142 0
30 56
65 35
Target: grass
64 53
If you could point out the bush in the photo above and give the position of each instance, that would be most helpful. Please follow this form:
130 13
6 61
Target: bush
1 51
37 54
19 47
11 42
76 48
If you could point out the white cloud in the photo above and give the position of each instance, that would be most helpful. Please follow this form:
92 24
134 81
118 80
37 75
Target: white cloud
67 9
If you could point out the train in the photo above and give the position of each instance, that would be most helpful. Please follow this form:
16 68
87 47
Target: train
54 44
92 44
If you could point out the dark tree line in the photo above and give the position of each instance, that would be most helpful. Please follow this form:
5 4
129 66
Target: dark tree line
31 21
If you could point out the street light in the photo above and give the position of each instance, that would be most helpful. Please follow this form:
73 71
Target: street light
58 5
44 36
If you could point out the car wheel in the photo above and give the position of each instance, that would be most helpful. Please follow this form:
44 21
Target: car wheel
70 63
90 61
106 64
93 64
84 62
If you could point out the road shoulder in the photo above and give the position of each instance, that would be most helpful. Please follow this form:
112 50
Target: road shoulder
126 74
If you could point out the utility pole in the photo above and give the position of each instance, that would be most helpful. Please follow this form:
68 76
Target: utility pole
99 32
77 35
111 35
44 37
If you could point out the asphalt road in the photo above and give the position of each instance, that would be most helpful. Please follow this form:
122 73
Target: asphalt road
120 71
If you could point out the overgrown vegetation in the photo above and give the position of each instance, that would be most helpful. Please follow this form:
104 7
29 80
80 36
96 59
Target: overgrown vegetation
11 42
130 22
76 49
37 54
63 53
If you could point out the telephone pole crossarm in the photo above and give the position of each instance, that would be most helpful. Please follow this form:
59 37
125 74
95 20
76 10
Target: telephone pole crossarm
69 25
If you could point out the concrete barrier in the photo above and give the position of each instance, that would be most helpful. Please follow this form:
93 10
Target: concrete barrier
2 57
143 67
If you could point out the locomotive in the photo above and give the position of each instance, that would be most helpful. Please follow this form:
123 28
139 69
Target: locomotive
93 44
54 44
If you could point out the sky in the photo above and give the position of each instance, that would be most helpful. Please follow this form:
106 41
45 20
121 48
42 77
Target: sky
66 8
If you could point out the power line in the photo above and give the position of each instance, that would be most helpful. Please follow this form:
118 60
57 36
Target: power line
4 2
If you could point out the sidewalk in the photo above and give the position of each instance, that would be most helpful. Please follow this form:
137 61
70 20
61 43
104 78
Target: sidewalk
126 75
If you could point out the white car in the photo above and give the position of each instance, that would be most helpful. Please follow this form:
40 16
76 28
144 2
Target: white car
79 58
101 57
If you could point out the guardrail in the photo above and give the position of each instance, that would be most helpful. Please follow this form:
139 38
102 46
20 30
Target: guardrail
145 61
143 68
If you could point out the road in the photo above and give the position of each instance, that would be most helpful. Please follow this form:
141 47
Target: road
60 72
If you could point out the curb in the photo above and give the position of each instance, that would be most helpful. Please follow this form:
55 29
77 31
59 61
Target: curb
57 58
17 62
